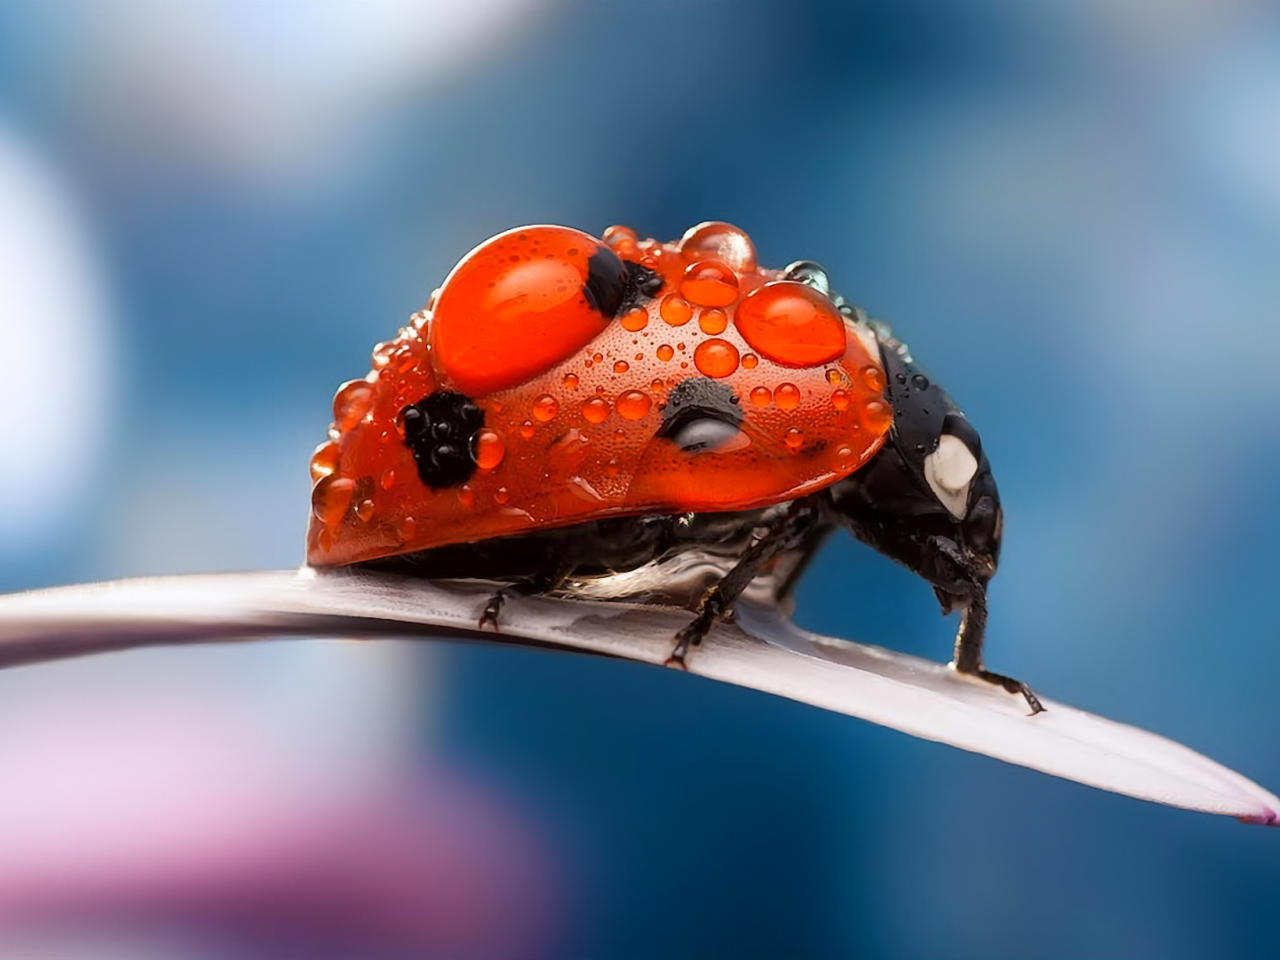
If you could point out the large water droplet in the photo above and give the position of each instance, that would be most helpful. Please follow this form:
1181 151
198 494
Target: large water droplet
715 240
331 498
675 310
716 358
545 408
713 321
709 283
791 324
325 460
876 416
351 403
787 396
595 410
489 449
634 405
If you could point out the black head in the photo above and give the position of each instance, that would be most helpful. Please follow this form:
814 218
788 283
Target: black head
927 499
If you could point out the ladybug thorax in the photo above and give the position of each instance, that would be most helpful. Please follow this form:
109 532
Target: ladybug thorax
556 378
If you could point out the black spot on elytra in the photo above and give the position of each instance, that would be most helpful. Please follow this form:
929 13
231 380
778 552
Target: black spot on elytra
700 414
440 431
613 284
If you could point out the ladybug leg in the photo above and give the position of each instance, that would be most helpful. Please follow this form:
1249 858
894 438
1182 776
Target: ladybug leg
550 578
789 532
489 615
968 652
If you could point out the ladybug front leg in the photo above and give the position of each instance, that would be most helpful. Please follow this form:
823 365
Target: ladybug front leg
788 532
968 653
970 594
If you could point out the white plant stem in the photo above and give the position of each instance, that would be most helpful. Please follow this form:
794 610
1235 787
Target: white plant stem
762 650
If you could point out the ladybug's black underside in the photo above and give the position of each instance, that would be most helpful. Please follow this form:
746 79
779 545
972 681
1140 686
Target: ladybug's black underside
587 555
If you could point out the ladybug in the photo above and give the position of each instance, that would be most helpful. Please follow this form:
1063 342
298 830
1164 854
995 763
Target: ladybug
630 419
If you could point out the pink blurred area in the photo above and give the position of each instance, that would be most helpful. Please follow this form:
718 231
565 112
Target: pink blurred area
165 824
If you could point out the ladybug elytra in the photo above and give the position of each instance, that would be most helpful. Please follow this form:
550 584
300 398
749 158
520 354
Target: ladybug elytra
629 419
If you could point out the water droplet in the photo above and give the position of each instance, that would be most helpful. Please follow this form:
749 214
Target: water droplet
595 410
621 366
330 499
387 480
634 405
762 396
709 283
713 321
364 510
873 377
635 320
791 324
382 353
501 496
489 449
845 459
787 396
526 429
618 233
834 376
570 381
810 273
406 527
582 488
876 416
545 408
665 352
675 310
840 400
325 460
920 381
719 241
750 361
351 403
612 467
466 496
598 357
656 384
716 358
794 440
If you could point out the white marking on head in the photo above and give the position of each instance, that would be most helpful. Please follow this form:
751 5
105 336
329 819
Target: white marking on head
950 469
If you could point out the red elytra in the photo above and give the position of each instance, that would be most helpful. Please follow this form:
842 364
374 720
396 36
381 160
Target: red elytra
573 399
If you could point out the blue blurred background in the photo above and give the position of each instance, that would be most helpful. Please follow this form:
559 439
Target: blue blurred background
209 212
